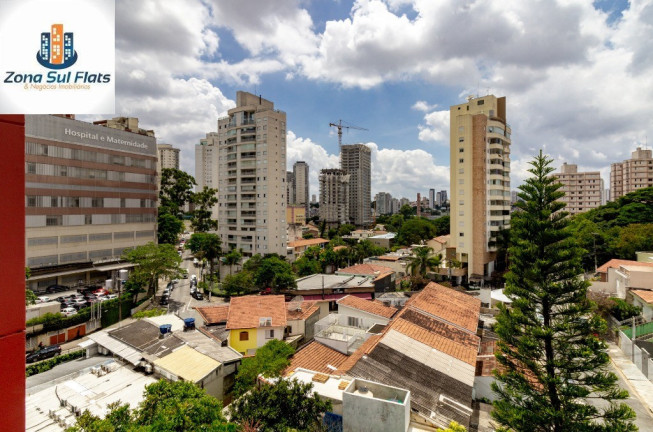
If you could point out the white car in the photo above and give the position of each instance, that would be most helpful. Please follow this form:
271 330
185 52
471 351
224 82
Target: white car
193 277
112 296
42 299
69 311
101 298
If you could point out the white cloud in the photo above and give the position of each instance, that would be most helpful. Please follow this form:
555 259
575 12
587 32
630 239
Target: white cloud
421 105
436 128
317 158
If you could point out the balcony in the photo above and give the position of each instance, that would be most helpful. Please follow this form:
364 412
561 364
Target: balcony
249 155
248 138
336 331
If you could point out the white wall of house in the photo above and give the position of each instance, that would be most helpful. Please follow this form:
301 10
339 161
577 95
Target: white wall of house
352 312
263 336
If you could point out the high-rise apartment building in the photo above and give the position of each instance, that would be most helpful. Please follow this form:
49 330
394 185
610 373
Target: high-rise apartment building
432 201
583 190
480 180
301 183
631 174
356 160
168 156
443 198
90 194
383 203
252 177
206 162
334 196
290 188
394 206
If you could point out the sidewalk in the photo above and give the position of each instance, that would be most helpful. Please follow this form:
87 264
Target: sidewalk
633 376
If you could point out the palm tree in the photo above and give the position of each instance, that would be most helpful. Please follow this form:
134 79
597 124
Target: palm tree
232 258
422 261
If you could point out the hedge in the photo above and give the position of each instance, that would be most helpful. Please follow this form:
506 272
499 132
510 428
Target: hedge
46 365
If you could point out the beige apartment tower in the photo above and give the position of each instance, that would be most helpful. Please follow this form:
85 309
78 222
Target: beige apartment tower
356 160
300 184
480 180
631 174
583 190
168 156
334 196
252 177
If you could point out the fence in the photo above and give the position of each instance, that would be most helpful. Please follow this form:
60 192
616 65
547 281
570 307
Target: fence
638 352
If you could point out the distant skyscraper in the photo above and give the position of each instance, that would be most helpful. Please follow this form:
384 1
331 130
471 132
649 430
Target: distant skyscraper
432 201
583 190
168 156
356 160
313 199
252 174
631 174
443 197
334 196
383 203
479 179
301 183
206 162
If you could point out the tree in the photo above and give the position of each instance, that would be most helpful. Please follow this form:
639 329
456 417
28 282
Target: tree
167 406
633 238
232 258
30 297
205 246
204 202
346 229
275 273
406 211
552 362
284 406
415 230
422 261
169 227
176 190
305 266
454 427
239 283
153 262
270 360
442 225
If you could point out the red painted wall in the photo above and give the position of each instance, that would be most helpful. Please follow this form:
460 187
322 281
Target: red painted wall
12 259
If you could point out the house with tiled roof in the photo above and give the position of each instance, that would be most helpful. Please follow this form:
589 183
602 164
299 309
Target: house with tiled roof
214 315
384 277
361 308
299 246
430 348
317 357
617 276
254 320
302 315
643 298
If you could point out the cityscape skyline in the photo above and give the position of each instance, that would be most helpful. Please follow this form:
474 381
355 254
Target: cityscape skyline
563 99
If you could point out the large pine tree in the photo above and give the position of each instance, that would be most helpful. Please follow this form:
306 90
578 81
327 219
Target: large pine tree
553 368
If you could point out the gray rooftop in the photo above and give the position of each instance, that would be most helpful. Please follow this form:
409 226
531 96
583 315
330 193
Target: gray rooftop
331 281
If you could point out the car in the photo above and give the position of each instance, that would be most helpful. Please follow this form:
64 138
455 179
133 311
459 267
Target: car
164 300
62 299
196 262
80 302
101 291
56 288
69 311
42 299
112 296
43 353
193 277
198 295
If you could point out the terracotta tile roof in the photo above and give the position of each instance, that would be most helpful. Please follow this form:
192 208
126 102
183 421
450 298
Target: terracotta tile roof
307 242
245 312
367 269
615 263
442 239
337 248
365 348
214 314
316 357
388 258
307 309
455 348
368 306
646 295
448 304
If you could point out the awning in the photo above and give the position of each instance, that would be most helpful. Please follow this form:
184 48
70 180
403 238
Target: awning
54 275
114 267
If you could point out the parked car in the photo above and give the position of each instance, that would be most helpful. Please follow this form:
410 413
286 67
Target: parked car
193 277
43 353
112 296
68 311
164 300
80 302
198 295
101 291
196 262
56 288
42 299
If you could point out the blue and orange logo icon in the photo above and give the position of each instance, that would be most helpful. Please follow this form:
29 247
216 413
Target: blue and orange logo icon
57 50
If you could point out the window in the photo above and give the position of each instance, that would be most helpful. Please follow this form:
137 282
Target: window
244 336
461 139
352 321
462 234
481 102
461 160
269 334
461 150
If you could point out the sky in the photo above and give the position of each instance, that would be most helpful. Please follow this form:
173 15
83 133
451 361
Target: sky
577 76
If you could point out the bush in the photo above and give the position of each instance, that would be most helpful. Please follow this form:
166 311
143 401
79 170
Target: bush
622 310
149 313
46 365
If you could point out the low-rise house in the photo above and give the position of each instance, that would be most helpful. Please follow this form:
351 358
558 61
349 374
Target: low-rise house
361 234
332 287
254 320
439 244
301 317
616 276
384 277
386 240
187 364
644 299
356 307
299 246
395 299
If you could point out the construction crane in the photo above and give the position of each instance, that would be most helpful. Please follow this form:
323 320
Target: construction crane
346 125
